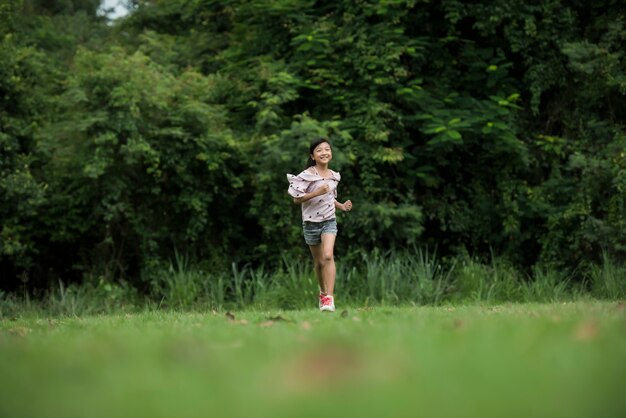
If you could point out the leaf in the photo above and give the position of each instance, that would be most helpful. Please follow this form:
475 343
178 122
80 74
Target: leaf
454 135
279 318
586 331
20 331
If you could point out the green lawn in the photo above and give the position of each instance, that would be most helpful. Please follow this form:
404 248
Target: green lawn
530 360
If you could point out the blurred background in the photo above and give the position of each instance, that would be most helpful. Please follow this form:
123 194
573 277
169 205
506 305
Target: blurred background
144 139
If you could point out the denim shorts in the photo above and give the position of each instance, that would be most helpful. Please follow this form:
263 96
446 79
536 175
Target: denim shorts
313 230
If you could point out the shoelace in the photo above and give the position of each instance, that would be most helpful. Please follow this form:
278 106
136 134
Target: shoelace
327 300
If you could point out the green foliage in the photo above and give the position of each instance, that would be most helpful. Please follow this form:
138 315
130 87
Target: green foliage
546 285
178 286
293 286
89 298
22 192
152 151
495 282
412 277
474 127
608 280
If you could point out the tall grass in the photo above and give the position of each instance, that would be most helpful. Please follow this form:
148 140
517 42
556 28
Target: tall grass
608 280
496 281
547 285
293 285
414 277
94 296
394 278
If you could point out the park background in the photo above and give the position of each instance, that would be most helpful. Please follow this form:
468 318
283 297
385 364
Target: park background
152 263
143 158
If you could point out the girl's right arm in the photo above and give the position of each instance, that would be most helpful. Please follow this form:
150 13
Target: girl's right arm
323 189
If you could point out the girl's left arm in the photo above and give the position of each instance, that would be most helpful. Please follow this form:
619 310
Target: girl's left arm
345 206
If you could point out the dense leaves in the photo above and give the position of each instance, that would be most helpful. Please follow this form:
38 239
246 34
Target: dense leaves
476 127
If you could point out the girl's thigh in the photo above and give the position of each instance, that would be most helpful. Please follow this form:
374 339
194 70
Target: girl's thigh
327 245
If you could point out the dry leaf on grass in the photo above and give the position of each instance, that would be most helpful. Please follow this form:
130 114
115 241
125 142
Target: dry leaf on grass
586 331
458 324
279 318
20 331
232 320
316 368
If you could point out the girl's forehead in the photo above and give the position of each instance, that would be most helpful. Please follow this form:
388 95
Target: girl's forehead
322 145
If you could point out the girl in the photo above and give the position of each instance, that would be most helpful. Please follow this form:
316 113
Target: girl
316 189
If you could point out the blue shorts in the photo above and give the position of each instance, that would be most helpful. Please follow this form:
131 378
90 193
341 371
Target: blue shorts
313 230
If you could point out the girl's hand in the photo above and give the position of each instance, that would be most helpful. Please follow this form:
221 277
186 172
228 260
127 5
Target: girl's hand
323 189
347 206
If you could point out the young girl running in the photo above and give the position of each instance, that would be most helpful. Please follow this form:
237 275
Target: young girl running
316 189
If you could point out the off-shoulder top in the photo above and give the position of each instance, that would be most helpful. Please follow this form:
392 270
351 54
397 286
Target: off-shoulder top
320 208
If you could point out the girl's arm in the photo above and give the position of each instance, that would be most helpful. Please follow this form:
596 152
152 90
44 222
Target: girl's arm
308 196
345 206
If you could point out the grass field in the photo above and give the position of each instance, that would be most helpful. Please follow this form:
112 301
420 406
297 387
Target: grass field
526 360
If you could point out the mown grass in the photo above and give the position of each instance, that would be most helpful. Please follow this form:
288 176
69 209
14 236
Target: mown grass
514 360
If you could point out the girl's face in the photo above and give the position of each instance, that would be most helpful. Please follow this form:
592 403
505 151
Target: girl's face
322 154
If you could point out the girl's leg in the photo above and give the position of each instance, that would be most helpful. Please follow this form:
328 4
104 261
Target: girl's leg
316 252
327 262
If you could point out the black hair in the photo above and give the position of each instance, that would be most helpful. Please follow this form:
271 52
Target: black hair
311 162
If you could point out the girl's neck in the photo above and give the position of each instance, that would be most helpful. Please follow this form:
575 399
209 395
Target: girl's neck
321 168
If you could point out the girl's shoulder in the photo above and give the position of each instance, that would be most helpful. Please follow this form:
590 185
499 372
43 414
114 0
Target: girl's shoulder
335 175
306 175
310 174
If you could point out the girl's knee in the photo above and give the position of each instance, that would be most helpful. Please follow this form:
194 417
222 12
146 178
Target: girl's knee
326 258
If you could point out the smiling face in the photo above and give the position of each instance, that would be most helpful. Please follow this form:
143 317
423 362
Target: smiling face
322 154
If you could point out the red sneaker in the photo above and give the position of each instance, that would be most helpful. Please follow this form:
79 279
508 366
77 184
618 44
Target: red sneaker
321 296
327 303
